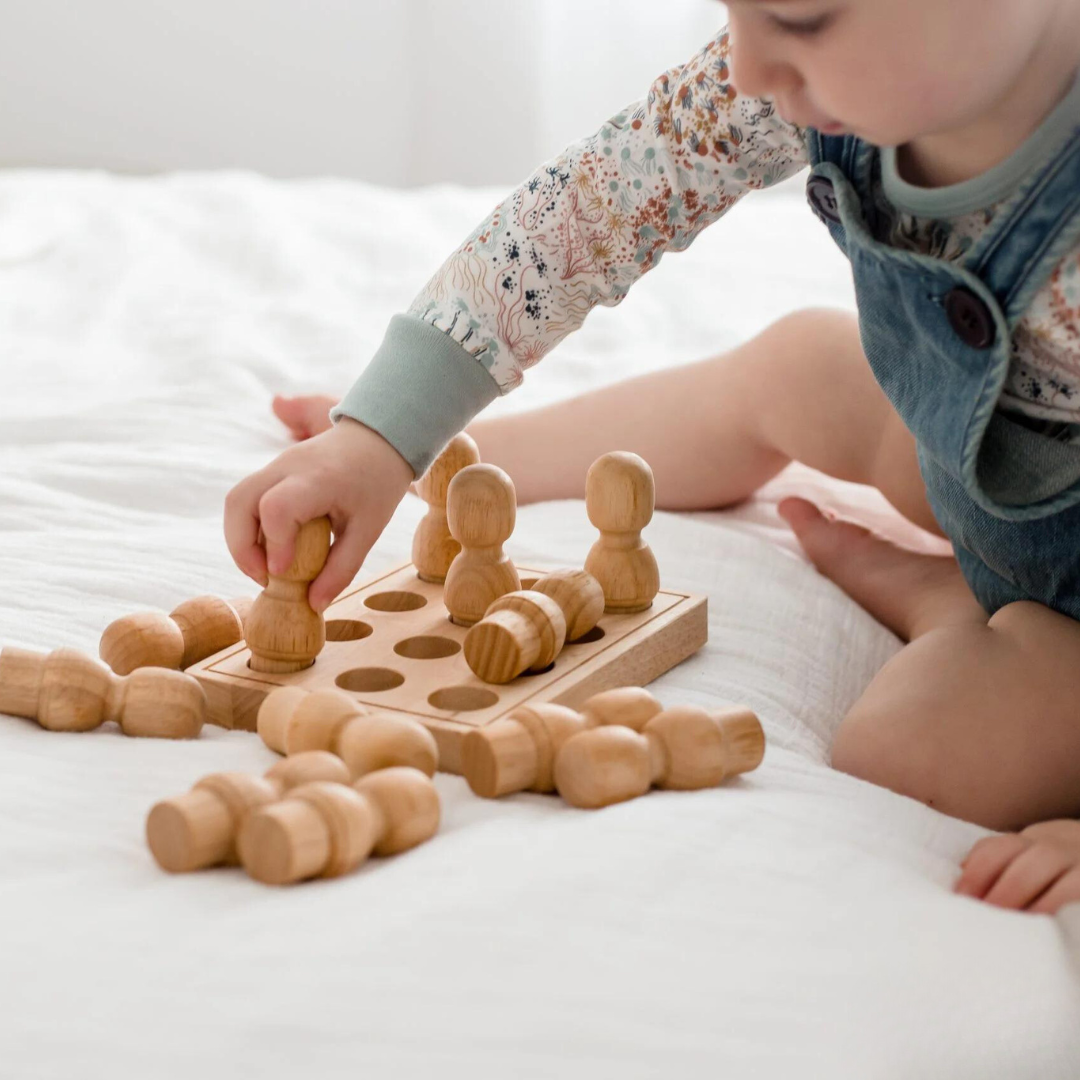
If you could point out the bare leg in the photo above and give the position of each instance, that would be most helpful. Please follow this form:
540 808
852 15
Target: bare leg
716 430
976 716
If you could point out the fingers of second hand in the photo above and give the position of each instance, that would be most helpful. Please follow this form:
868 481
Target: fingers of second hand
1026 877
986 862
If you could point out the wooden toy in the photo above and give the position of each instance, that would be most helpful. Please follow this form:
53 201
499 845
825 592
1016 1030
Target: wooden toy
526 630
433 548
197 830
292 720
284 633
619 497
67 691
627 706
193 631
480 509
324 829
578 594
518 752
685 747
521 631
391 648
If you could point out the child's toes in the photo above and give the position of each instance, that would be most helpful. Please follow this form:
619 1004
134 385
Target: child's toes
1028 876
1066 890
986 862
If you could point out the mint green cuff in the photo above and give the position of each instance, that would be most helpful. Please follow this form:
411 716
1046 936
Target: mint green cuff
420 389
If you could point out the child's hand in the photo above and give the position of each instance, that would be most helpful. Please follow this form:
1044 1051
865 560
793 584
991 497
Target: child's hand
349 473
1037 870
306 415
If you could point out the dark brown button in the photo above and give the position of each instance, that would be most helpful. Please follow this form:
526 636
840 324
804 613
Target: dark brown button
821 195
970 318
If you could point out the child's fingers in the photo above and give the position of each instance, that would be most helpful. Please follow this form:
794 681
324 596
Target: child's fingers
242 529
282 510
1066 890
347 555
986 861
1029 875
304 416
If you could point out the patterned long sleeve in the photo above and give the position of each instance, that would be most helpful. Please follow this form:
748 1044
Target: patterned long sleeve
579 232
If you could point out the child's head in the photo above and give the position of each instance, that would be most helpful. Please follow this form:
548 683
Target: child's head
893 70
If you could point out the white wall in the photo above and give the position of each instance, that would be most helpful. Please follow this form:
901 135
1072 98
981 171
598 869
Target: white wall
390 91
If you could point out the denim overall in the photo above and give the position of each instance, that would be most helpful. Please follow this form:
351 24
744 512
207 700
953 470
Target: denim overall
938 335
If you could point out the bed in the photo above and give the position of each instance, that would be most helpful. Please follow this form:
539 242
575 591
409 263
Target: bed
796 924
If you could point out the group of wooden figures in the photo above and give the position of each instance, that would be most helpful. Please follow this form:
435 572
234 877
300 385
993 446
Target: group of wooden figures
355 783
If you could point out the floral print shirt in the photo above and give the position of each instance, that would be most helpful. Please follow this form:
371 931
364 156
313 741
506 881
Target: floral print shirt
590 222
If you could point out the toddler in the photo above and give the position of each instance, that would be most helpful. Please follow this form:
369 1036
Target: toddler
943 147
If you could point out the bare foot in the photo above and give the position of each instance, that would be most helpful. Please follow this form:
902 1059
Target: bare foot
1037 870
305 416
907 591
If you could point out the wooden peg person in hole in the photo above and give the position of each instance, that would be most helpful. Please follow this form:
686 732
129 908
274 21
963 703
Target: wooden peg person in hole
433 548
480 510
620 496
283 631
526 630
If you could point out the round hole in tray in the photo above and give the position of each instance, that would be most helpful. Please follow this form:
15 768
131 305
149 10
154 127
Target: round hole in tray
369 680
462 698
542 671
395 601
427 647
595 634
346 630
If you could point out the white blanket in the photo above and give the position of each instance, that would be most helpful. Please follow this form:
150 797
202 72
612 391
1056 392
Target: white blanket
795 924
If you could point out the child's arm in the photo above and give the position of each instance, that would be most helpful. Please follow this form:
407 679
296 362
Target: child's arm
578 233
581 231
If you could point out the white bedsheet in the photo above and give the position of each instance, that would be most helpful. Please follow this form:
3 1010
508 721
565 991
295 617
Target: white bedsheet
795 924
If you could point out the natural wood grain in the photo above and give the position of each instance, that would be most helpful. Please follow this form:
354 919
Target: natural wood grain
67 691
685 748
192 631
292 720
481 509
632 651
197 830
619 497
283 631
325 830
433 548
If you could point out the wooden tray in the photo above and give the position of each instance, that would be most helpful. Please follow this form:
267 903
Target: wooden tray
391 644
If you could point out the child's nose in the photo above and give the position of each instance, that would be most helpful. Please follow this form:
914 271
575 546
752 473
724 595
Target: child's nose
756 73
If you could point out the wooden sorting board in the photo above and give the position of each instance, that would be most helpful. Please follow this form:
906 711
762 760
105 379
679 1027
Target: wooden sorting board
391 644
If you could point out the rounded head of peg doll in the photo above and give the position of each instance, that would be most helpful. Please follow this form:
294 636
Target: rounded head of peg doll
620 494
459 453
481 506
628 706
409 805
208 625
145 639
161 703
